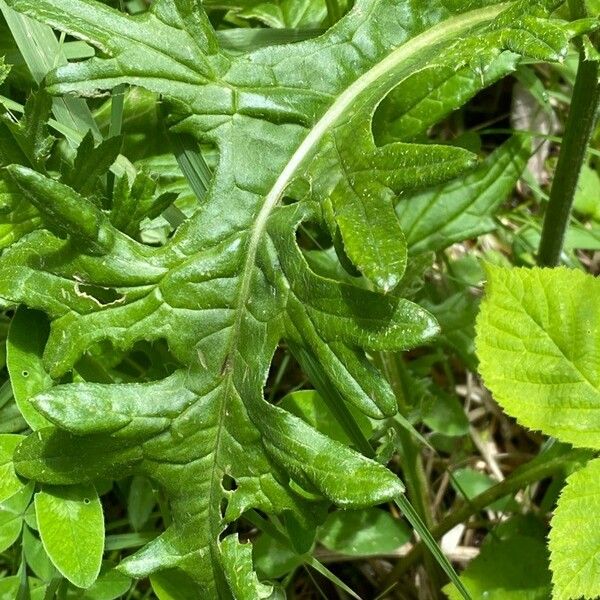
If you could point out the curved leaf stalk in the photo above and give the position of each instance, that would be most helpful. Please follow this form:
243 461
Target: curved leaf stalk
578 131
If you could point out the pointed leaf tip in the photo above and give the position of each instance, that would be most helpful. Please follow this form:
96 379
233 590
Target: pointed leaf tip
66 212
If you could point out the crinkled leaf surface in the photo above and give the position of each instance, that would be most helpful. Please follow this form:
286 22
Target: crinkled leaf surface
537 342
575 538
437 218
290 122
342 83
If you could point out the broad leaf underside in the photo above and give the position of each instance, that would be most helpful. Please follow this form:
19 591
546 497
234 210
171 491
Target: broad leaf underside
290 123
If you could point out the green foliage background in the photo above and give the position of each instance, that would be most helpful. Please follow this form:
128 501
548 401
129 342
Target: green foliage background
240 272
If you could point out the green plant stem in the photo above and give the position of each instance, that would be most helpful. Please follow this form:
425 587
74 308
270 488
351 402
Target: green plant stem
510 485
412 464
578 131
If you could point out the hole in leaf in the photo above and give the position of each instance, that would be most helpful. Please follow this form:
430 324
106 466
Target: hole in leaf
103 296
229 483
86 500
285 375
311 236
25 373
231 528
146 361
223 507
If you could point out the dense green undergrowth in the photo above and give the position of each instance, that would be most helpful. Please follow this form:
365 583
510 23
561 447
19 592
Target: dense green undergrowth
243 245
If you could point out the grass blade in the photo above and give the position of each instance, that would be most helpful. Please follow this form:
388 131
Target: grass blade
192 163
323 570
417 524
42 52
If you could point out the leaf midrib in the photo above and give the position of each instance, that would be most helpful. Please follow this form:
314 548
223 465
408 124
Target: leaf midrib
445 30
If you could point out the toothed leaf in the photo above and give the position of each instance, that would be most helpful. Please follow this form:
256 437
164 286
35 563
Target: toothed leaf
574 539
537 345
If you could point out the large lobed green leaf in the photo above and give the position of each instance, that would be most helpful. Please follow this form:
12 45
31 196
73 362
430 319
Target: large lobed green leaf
290 123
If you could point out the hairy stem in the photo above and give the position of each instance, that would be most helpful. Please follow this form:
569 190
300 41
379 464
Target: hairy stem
578 131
